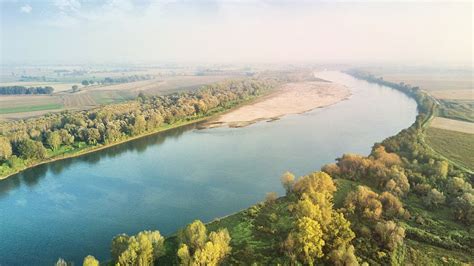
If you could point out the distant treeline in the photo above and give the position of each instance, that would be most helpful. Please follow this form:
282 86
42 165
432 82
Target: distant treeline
10 90
117 80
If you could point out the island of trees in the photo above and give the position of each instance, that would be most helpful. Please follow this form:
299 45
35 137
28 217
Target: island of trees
12 90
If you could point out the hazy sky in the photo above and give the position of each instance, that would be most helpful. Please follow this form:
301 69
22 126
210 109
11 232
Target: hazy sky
86 31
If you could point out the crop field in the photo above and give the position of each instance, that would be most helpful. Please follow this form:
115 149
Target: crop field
467 94
453 125
15 107
456 146
24 106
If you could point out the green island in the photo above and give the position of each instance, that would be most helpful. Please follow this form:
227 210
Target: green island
404 204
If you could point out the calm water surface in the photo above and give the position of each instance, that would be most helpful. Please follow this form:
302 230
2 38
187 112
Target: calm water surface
74 207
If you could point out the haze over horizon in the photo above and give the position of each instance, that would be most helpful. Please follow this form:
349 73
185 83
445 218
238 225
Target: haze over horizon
120 31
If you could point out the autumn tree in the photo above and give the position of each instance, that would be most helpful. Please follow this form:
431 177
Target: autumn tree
194 235
390 234
142 249
392 206
119 245
5 148
287 181
308 240
271 197
442 168
434 198
343 256
90 261
315 182
365 202
197 248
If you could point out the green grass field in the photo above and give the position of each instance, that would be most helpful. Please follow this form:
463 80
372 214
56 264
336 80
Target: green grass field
33 108
457 109
456 146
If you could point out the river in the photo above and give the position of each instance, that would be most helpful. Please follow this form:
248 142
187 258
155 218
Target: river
72 208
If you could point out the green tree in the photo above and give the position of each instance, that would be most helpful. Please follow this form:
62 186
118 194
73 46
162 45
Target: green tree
119 245
85 82
53 139
30 149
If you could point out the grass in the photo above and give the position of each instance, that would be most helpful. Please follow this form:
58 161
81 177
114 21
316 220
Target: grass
33 108
457 109
456 146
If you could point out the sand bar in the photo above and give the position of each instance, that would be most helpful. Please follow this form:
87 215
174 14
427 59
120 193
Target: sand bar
291 98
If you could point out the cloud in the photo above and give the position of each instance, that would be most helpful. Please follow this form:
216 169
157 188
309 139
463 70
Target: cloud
67 5
26 9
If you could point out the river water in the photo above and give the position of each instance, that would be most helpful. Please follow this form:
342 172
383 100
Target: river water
74 207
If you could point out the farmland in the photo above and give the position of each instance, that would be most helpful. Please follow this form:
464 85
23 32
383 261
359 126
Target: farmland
163 81
456 146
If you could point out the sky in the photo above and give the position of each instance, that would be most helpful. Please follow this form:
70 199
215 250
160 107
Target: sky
252 31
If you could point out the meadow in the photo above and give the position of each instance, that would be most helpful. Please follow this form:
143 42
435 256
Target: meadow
456 146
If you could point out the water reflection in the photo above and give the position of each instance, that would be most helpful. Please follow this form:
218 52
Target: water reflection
32 176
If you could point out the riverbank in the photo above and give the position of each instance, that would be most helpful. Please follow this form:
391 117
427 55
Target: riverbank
76 152
291 98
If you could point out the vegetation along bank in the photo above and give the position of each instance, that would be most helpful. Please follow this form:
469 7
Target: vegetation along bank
402 204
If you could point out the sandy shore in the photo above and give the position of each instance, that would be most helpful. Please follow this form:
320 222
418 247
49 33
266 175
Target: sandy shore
292 98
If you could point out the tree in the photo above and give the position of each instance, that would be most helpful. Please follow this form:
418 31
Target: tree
442 168
287 181
315 182
392 206
142 249
145 247
338 233
75 88
85 82
344 256
434 198
53 139
90 261
184 255
271 197
119 245
464 208
308 240
5 148
130 255
139 125
194 235
390 234
61 262
30 149
211 252
365 202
